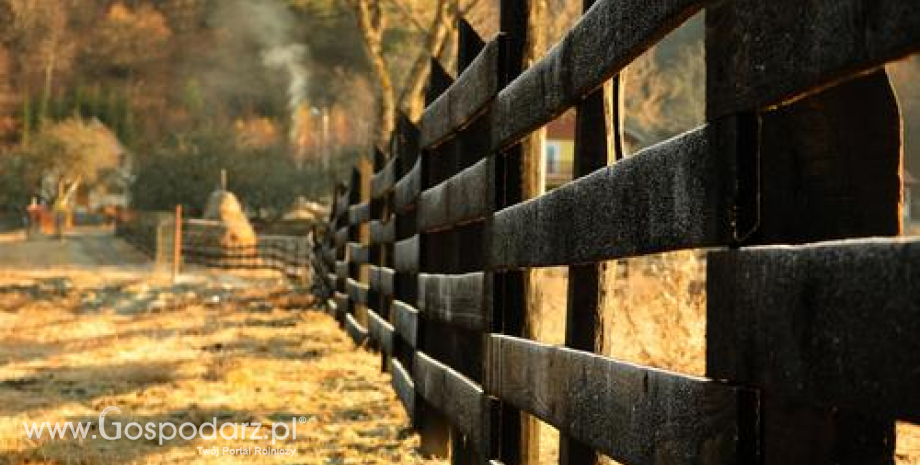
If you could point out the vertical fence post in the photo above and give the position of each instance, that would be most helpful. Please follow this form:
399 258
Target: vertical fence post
597 143
433 427
509 306
805 172
177 245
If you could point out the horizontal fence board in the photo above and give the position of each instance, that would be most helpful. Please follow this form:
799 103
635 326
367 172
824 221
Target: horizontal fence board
404 387
359 253
381 280
380 331
462 300
383 179
359 214
634 414
341 270
355 331
674 195
764 53
405 322
407 189
341 237
606 39
474 88
341 301
833 324
383 233
462 198
357 291
461 400
407 255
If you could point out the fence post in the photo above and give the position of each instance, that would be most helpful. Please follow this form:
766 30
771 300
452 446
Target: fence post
177 245
805 175
434 429
598 143
514 437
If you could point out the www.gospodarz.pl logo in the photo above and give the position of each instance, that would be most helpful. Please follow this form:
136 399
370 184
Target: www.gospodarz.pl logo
164 431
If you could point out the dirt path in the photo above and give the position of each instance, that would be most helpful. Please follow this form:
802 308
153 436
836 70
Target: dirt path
93 249
83 328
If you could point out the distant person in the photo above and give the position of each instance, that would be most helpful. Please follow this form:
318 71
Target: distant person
35 218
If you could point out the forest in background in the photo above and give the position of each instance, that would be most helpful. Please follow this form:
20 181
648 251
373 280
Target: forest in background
284 94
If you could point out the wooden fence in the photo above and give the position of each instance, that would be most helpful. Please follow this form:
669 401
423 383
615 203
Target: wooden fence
813 350
200 244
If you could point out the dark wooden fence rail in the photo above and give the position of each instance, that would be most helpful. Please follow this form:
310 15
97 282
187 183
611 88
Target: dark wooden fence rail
812 346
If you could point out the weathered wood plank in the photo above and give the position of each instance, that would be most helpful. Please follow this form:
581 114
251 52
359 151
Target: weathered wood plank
383 180
476 86
462 300
404 387
380 331
382 233
462 401
359 253
607 38
634 414
359 214
355 331
462 198
341 300
341 270
677 194
406 251
357 291
341 237
832 324
761 54
408 187
381 279
405 321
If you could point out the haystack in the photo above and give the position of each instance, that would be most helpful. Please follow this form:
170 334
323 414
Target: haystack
223 207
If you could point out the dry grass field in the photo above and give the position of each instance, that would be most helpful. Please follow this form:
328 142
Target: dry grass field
70 347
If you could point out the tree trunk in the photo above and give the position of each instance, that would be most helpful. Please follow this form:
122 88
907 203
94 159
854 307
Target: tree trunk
371 25
532 179
411 100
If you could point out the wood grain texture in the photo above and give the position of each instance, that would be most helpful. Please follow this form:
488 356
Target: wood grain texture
359 214
407 258
674 195
404 387
606 39
383 232
462 300
405 322
381 280
355 331
462 401
384 179
357 291
465 197
380 331
476 86
765 53
833 324
358 253
634 414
